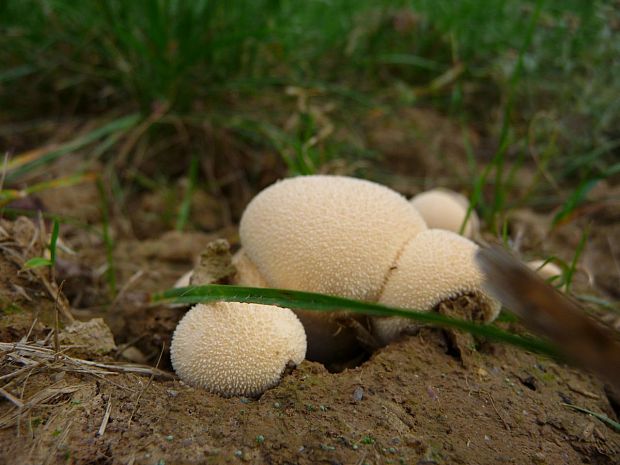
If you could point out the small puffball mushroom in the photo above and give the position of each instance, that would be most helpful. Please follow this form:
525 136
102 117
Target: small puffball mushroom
435 266
330 234
446 209
236 349
546 270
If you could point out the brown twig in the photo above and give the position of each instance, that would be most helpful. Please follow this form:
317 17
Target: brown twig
10 397
56 322
506 425
106 417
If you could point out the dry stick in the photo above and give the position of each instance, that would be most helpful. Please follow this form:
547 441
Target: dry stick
135 409
56 323
506 425
106 417
48 354
34 322
7 395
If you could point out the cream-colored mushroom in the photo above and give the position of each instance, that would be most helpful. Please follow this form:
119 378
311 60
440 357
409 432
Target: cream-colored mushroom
330 234
236 349
446 209
435 266
545 269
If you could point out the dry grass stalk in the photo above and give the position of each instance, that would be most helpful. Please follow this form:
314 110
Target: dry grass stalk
36 357
32 354
106 417
49 395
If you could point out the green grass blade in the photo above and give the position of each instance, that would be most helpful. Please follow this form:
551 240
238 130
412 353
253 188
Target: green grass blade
499 195
604 418
120 124
37 262
53 241
185 208
325 303
570 272
576 198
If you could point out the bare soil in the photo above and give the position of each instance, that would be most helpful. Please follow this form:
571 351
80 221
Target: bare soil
418 401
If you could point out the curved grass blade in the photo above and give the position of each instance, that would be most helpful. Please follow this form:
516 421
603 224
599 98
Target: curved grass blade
21 166
325 303
604 418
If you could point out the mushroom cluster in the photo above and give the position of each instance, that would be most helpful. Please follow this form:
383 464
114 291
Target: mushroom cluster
340 236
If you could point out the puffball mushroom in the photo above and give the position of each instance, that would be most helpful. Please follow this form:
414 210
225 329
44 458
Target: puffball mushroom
446 209
546 270
330 234
435 266
236 349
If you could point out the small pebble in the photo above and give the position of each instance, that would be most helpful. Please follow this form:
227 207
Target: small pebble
358 393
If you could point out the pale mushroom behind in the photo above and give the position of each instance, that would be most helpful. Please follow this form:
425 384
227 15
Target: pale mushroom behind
446 209
545 269
236 349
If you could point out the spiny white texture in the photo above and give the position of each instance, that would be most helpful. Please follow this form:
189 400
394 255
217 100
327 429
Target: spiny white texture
435 266
236 349
446 209
329 234
546 270
247 273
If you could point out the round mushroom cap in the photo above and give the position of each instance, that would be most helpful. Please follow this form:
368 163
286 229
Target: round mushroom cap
435 266
236 349
546 270
331 234
446 209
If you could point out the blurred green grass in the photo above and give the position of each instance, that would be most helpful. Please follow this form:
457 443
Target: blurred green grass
201 60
